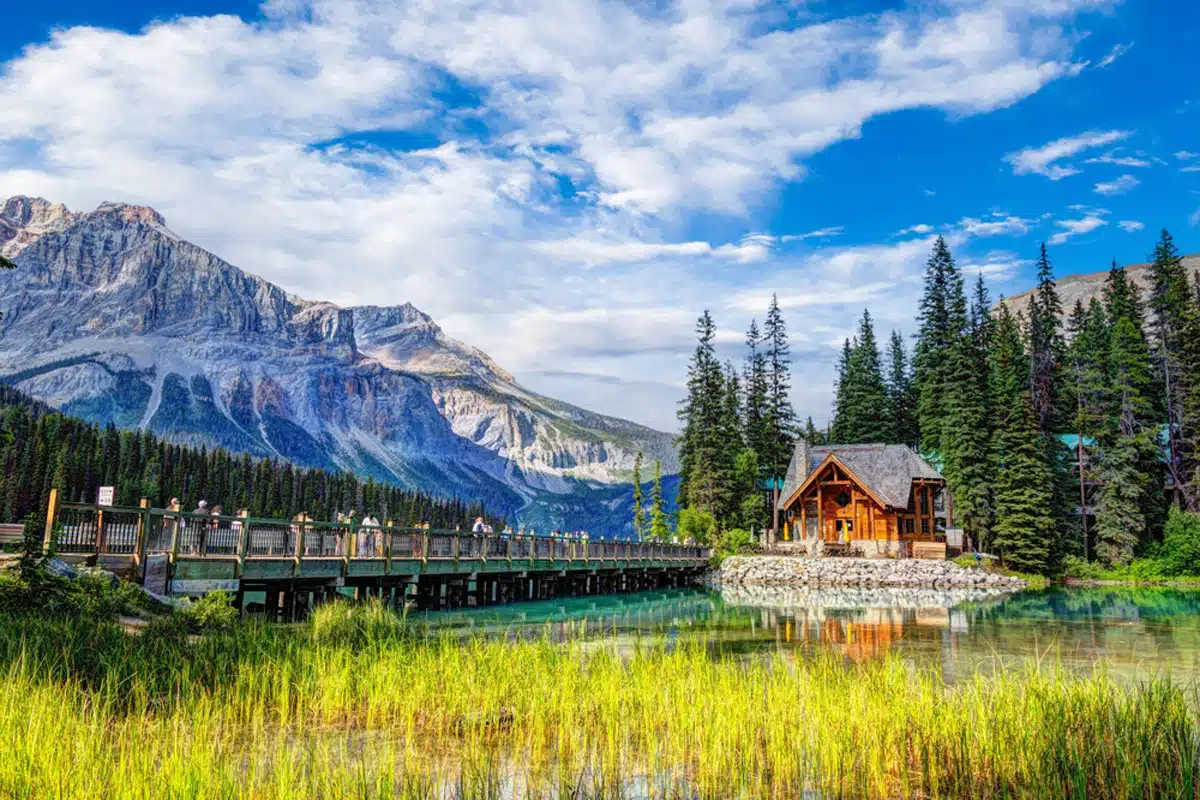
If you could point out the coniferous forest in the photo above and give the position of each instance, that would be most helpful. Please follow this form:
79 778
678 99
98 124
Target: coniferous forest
1032 417
41 449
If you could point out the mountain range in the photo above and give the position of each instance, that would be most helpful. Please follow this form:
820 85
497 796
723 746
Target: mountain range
112 317
1082 287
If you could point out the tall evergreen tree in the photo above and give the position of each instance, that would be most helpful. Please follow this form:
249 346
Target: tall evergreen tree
1121 521
1008 378
780 418
1025 523
901 394
841 396
1046 349
704 482
811 434
639 511
756 389
1089 380
1170 302
934 341
660 529
862 413
966 440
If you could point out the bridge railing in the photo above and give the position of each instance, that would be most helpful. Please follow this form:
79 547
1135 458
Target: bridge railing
87 529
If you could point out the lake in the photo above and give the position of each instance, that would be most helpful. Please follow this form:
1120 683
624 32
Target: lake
1137 633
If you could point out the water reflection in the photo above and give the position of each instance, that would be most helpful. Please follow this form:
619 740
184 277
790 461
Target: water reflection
1136 633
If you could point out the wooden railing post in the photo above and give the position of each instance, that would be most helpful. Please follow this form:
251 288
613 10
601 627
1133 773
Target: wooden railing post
243 545
99 546
143 526
51 517
177 521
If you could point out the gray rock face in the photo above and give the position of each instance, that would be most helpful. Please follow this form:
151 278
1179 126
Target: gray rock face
113 317
855 572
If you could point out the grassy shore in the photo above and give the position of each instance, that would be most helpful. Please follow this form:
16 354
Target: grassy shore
354 704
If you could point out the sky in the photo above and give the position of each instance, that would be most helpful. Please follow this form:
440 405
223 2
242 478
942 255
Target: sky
567 185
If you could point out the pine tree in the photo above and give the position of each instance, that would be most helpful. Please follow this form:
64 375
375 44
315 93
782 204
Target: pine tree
756 389
966 429
862 414
1089 385
660 530
779 420
1046 349
934 341
1025 523
1170 303
704 478
811 434
1122 521
639 511
841 396
900 395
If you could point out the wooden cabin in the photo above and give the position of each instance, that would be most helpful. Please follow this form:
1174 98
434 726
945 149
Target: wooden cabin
882 499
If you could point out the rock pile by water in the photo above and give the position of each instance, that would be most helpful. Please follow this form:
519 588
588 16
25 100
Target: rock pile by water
869 572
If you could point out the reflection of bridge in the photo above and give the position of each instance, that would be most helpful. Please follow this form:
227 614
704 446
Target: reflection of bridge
296 563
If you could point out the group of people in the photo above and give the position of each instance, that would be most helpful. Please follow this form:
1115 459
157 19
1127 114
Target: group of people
200 535
482 526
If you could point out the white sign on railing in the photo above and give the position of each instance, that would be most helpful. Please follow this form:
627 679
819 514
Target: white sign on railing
105 497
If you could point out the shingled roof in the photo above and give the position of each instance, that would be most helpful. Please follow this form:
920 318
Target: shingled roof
888 470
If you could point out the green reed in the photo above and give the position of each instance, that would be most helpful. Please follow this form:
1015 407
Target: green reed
354 703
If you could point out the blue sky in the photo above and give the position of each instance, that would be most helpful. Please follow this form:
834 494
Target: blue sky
567 185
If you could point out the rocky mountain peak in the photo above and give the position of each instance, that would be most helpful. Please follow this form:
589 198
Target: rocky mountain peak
131 213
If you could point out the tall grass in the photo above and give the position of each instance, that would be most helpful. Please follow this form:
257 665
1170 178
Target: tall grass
355 704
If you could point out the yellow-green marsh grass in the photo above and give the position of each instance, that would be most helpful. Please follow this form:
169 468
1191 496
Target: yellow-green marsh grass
350 704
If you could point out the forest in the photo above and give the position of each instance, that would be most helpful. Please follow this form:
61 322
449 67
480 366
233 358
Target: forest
41 449
1032 417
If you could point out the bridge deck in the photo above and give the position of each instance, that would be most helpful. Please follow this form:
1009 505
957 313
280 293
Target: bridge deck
193 553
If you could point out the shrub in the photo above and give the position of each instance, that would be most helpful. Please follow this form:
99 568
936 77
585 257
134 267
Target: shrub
1180 551
212 612
699 526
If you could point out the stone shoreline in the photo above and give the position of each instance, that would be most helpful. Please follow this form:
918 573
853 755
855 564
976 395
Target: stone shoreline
865 572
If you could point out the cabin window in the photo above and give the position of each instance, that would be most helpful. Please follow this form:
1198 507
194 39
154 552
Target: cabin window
910 525
843 499
939 501
924 524
810 508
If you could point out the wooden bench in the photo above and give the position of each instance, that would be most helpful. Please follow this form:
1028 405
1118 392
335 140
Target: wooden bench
931 550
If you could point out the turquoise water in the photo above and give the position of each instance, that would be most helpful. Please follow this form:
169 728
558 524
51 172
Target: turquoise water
1136 633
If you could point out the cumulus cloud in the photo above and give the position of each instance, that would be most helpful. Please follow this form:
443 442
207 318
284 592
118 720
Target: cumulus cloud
1120 185
1043 160
997 265
1090 220
1131 225
488 163
1186 155
915 230
997 224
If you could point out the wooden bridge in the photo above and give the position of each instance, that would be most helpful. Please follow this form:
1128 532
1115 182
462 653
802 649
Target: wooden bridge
296 564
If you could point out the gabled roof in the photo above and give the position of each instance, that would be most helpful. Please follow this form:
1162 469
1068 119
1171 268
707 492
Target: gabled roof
886 470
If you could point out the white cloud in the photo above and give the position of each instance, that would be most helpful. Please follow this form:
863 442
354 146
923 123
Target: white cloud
1195 168
1090 221
1112 157
819 233
286 147
1131 225
1186 155
1042 160
1194 219
918 230
1119 186
1117 51
998 265
997 225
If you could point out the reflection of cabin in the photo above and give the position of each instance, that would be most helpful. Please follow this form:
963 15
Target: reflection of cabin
879 498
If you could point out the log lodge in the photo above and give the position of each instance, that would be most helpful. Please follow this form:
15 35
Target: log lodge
881 499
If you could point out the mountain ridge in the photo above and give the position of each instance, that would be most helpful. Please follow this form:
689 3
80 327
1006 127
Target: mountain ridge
112 316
